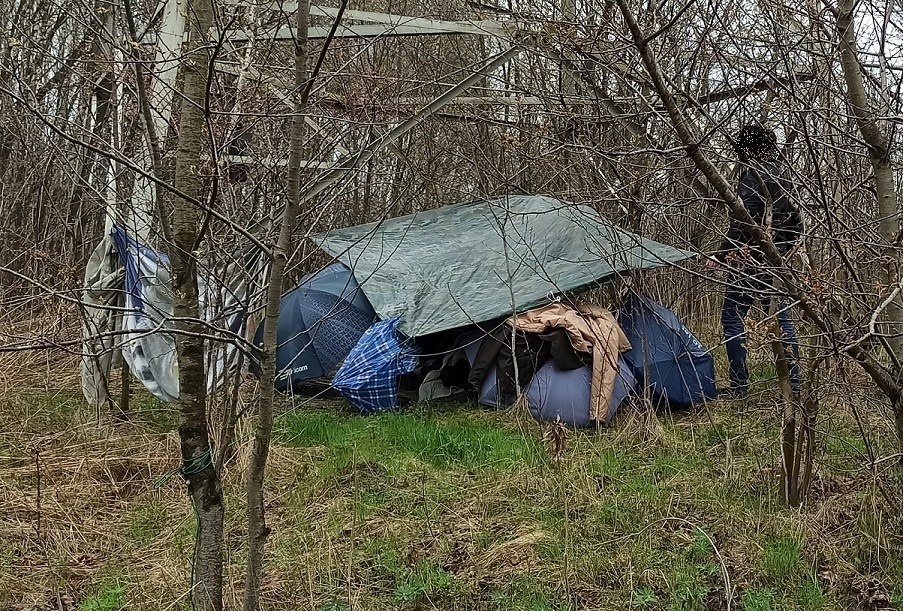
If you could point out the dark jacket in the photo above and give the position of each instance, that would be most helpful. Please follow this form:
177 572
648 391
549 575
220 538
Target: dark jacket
530 353
763 184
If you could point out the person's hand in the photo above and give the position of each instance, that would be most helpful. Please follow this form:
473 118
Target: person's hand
711 263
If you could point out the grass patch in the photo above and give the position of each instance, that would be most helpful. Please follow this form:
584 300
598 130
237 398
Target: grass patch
846 446
450 509
425 581
49 412
407 579
611 463
757 600
524 595
688 584
146 522
395 440
781 558
109 595
809 594
643 486
668 464
644 598
157 415
763 372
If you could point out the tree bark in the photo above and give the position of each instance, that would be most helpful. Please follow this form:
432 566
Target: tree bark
122 412
889 212
204 487
258 531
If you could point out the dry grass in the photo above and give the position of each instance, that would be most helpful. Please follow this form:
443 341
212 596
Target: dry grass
67 489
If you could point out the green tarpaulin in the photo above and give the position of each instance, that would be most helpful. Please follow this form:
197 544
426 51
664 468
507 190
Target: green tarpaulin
472 262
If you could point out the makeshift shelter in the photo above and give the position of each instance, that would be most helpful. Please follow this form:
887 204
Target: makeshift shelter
565 359
448 269
320 321
563 364
472 262
666 357
441 270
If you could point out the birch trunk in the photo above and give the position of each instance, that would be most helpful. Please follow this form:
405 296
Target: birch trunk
879 153
204 487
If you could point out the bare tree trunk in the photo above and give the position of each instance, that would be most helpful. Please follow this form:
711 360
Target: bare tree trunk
789 484
231 415
122 411
888 209
257 527
203 481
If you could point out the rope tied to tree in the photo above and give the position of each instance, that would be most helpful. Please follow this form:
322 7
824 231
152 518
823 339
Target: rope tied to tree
189 467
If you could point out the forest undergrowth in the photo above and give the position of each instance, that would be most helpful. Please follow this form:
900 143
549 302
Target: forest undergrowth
449 506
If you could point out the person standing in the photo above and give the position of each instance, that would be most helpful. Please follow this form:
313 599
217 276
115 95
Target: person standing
767 196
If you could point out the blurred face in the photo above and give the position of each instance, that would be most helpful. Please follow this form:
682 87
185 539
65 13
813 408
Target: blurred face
754 144
755 153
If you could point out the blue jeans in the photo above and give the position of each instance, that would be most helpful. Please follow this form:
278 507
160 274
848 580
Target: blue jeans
744 290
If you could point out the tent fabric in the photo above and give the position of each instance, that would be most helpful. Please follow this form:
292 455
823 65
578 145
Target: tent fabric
320 322
559 395
337 279
666 356
368 378
148 348
103 274
488 388
473 262
590 329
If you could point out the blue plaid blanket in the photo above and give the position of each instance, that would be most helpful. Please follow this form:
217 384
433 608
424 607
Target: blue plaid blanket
368 378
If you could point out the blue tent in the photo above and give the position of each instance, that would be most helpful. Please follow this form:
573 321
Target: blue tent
320 321
368 378
558 395
666 356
